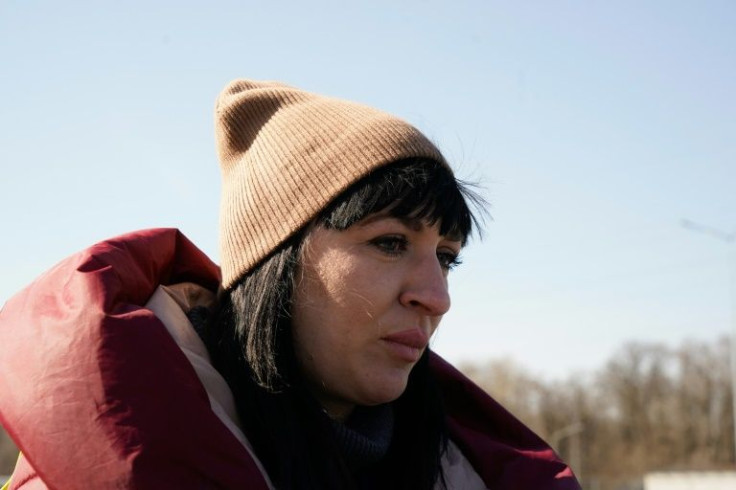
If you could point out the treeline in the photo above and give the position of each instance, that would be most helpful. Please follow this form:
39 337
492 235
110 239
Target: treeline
650 408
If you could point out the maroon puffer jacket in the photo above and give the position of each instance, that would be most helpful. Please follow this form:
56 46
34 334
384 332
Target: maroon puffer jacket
97 395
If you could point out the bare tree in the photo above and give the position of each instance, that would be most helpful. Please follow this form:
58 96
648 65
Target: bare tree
649 408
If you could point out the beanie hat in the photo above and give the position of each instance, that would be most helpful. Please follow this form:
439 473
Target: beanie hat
285 154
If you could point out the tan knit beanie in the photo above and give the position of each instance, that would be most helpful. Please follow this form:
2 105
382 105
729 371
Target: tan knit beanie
285 154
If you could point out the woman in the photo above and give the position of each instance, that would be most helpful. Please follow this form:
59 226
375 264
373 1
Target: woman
339 226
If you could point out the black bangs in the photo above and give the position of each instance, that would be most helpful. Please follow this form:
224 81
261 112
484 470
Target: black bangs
415 188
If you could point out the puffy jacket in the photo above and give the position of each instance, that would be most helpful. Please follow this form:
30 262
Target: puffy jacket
98 394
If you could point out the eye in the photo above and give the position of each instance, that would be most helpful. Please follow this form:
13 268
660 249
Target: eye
448 260
390 244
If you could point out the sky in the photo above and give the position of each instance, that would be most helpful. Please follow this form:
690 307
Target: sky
593 128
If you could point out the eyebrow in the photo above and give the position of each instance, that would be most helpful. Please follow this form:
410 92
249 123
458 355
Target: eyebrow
413 224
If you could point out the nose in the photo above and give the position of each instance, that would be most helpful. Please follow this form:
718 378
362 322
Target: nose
425 288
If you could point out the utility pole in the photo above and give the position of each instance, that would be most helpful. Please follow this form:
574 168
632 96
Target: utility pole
729 239
572 431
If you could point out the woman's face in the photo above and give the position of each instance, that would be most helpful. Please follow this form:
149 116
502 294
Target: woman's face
366 302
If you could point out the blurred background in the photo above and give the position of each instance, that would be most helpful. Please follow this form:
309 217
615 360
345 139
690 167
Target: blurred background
598 305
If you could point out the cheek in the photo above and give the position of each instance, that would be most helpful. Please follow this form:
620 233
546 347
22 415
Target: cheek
332 317
314 310
336 288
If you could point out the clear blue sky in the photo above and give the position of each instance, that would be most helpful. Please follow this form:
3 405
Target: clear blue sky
594 126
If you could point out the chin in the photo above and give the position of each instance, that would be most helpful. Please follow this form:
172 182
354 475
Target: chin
387 389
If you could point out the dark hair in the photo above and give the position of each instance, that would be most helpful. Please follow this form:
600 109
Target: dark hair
251 345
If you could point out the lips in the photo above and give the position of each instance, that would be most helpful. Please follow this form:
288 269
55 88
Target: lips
407 345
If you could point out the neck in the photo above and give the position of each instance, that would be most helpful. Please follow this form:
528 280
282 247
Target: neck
337 411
